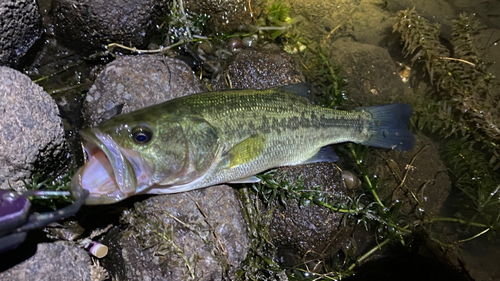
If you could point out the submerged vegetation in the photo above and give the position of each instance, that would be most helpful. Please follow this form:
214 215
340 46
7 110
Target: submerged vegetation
464 107
44 184
466 104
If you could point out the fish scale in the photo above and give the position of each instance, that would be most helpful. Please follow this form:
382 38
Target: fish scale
290 122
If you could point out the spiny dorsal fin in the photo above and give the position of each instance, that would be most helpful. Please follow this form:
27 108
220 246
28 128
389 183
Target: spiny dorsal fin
301 89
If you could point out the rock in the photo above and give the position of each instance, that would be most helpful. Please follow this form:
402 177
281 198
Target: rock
423 194
91 24
414 266
258 69
489 51
133 82
427 178
52 261
196 235
20 27
321 17
372 74
226 17
308 233
32 136
373 80
476 257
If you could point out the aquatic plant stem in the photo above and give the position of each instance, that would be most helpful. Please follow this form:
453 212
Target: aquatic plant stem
180 251
365 176
324 276
373 191
65 68
461 221
374 249
475 236
251 11
460 60
160 50
369 253
329 35
336 209
457 220
69 88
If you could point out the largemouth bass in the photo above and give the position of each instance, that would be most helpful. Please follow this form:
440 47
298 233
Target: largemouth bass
228 136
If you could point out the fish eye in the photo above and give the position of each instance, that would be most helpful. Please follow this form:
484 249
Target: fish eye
142 135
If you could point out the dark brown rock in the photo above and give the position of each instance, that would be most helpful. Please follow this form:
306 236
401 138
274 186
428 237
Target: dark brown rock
259 69
227 16
91 24
426 185
306 233
372 74
20 27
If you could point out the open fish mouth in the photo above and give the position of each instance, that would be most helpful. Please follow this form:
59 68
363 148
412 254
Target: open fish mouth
108 174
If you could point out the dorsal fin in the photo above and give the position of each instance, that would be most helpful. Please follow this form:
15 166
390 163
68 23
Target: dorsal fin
301 89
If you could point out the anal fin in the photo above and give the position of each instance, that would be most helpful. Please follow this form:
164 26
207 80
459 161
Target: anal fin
249 179
325 154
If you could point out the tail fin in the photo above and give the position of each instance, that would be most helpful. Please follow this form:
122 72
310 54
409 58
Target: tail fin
390 126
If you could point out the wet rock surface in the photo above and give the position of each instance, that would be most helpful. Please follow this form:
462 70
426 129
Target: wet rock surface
478 257
226 17
20 27
307 233
426 185
376 81
52 261
133 82
32 136
196 235
90 24
259 69
372 73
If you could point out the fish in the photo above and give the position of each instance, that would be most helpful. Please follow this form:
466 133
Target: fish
227 136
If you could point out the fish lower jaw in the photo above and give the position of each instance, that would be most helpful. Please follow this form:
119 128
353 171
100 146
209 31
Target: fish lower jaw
98 177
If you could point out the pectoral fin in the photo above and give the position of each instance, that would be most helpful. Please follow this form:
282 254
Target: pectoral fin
246 151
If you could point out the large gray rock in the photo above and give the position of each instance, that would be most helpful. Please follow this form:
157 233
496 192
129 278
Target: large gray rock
31 131
91 24
195 235
20 27
52 261
133 82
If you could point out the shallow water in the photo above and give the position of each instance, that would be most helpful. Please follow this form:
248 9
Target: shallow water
65 75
